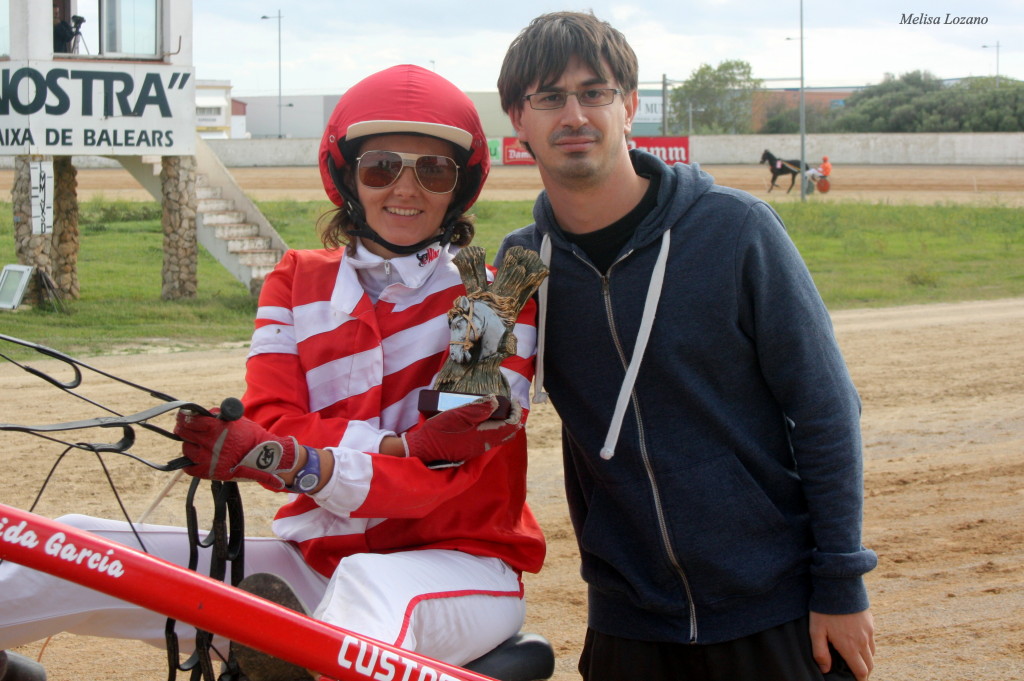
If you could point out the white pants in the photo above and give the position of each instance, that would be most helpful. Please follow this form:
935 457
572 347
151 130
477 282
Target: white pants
448 605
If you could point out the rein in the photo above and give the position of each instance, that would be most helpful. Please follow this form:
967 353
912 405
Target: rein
227 539
227 529
123 421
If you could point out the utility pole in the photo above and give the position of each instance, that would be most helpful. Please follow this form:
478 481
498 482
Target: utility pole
277 16
803 112
664 105
997 61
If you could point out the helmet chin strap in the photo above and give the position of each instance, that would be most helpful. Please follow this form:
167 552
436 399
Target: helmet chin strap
364 231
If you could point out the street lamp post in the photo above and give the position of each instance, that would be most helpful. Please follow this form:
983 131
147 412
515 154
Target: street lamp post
278 17
803 112
997 61
666 104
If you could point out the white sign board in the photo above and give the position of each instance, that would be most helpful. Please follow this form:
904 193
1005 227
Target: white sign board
649 111
41 176
85 108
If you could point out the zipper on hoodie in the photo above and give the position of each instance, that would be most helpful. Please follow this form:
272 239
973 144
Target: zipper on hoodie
644 454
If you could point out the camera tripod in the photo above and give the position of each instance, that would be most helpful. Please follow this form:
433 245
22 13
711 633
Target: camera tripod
78 40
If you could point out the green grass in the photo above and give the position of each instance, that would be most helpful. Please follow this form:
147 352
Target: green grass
871 255
119 275
860 255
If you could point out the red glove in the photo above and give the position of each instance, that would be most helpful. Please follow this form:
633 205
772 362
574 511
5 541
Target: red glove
463 433
225 450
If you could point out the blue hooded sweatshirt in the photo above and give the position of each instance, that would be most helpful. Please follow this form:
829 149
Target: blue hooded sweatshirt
725 498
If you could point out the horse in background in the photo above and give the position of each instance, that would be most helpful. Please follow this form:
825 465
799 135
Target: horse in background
779 167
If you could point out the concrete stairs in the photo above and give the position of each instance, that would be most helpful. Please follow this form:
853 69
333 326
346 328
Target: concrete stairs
234 237
228 224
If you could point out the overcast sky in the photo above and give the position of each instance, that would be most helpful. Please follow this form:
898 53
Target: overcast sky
327 45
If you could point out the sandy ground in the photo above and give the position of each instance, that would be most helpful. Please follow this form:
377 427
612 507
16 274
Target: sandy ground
894 184
943 394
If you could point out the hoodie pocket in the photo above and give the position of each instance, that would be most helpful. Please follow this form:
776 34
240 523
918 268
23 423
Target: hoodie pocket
727 534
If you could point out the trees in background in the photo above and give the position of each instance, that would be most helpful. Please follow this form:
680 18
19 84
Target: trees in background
920 102
714 101
783 118
718 100
915 102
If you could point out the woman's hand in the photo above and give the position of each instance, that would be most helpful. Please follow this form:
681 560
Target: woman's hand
226 450
463 433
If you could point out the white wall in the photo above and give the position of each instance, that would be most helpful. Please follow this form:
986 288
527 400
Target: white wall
301 115
246 153
997 148
880 149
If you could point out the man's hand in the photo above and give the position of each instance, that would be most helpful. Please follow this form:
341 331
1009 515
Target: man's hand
226 450
463 433
853 637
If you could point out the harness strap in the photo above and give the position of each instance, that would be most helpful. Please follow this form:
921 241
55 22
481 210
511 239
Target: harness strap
226 538
227 533
125 423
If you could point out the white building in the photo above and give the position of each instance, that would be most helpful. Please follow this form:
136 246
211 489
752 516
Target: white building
84 79
119 82
214 115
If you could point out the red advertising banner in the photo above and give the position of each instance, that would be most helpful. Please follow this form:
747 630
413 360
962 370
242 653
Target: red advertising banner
513 153
668 149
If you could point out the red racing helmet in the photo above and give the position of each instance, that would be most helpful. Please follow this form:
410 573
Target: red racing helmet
402 100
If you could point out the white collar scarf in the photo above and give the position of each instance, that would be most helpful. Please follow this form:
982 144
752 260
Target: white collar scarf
376 273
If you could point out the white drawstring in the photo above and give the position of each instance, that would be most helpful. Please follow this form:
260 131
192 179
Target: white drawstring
539 396
646 323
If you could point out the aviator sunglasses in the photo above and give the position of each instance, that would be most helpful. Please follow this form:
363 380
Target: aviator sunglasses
379 169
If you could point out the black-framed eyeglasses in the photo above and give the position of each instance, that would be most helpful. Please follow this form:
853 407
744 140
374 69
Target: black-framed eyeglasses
436 174
601 96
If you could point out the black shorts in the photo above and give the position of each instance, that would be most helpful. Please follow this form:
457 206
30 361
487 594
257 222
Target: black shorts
782 653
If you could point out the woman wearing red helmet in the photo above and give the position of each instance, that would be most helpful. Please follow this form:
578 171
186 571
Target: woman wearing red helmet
417 104
378 538
345 339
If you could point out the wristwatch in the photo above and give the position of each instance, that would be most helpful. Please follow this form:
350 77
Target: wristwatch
308 476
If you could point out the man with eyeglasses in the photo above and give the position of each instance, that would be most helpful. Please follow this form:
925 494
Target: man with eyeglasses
711 440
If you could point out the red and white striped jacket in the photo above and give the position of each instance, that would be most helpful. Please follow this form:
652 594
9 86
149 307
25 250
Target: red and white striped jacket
337 371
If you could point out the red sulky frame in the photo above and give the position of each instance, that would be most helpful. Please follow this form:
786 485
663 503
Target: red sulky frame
205 603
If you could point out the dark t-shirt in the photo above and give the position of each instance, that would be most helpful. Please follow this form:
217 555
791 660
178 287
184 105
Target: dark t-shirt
604 245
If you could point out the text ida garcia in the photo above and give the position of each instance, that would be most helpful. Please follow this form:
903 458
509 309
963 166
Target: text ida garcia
922 18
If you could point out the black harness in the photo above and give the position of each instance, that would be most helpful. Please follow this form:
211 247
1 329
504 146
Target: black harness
226 536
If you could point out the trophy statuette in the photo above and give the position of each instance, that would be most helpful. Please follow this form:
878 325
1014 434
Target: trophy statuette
482 324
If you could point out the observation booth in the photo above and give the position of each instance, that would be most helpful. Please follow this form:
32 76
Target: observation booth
114 79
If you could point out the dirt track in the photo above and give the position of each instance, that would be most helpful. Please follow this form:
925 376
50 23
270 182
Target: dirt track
893 184
943 395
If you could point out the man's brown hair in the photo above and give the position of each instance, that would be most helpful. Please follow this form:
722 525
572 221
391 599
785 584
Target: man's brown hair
542 51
